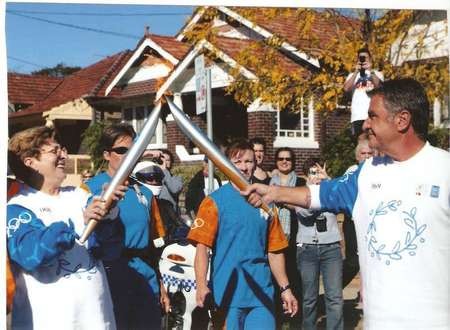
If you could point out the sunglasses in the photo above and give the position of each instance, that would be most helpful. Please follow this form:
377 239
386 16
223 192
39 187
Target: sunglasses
149 177
288 159
119 150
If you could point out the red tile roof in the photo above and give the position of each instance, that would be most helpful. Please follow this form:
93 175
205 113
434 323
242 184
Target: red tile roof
286 26
140 88
171 45
232 47
88 82
29 89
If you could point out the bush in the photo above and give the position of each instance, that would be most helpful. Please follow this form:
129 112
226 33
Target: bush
439 137
339 152
90 141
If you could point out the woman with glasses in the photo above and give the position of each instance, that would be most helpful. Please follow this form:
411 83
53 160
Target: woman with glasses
59 284
284 175
132 275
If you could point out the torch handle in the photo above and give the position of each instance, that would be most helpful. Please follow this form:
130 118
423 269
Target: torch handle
92 223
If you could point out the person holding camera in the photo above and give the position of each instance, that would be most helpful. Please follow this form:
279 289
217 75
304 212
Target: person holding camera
319 253
363 79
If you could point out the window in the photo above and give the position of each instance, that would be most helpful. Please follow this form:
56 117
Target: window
296 129
137 117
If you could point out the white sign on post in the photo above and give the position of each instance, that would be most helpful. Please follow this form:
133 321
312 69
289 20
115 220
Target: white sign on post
200 84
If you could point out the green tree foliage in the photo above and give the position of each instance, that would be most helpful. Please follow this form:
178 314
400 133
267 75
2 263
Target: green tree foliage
339 152
59 71
439 137
90 141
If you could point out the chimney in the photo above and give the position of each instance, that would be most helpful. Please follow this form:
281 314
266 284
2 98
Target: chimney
147 31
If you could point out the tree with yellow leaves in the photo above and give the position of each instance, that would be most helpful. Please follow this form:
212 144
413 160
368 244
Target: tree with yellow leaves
399 40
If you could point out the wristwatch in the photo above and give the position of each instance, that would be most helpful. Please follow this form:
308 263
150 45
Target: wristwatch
284 288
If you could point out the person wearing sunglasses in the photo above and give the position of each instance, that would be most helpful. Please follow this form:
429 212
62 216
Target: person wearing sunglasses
284 175
133 278
59 282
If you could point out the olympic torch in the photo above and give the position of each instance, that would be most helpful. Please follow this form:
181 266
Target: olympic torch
127 164
210 149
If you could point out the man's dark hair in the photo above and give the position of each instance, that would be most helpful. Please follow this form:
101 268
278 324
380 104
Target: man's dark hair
364 50
258 140
291 153
237 146
406 94
112 132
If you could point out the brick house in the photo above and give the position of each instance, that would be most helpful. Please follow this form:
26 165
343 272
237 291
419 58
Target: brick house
124 87
303 131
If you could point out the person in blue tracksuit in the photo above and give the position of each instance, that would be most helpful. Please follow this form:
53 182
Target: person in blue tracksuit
132 274
246 248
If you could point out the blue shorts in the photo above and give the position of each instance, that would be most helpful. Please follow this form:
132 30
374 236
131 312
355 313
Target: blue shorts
251 318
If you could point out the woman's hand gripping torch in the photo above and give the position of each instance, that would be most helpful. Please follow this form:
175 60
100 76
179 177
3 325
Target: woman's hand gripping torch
127 165
210 150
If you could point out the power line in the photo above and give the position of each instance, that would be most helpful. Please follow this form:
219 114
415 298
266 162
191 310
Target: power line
24 61
117 34
91 13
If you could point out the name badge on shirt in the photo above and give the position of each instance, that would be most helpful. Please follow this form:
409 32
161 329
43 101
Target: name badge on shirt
434 191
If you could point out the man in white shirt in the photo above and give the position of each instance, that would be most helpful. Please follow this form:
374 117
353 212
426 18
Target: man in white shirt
400 205
359 82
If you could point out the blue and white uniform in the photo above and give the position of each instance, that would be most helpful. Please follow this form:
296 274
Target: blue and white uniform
133 281
59 284
402 218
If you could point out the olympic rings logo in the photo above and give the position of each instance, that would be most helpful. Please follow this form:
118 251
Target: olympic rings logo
14 223
198 223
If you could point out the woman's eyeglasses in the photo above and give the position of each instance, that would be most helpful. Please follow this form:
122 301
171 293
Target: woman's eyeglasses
288 159
57 151
119 150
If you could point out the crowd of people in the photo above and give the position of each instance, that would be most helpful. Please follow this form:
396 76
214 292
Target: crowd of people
254 268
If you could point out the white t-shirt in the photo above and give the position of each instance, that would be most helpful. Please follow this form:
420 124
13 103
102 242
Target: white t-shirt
402 219
360 100
72 292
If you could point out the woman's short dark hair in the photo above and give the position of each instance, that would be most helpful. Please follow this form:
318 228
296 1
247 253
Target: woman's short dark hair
291 152
112 132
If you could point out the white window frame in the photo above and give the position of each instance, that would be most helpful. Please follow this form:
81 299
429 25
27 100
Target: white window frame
159 132
296 138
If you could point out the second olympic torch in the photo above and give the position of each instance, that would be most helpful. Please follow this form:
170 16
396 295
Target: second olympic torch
127 165
210 149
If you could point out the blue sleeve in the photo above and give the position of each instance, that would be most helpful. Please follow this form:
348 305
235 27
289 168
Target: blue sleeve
339 194
31 244
106 242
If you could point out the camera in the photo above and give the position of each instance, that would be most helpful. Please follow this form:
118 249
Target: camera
157 160
321 223
362 71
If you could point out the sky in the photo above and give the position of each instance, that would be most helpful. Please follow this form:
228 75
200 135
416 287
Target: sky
38 35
